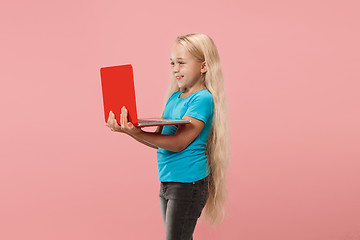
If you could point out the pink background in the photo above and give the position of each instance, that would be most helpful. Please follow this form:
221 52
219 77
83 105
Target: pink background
292 82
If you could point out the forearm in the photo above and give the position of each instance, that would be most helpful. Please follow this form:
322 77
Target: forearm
144 142
168 142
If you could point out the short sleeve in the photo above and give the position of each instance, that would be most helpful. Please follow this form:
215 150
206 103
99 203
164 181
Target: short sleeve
201 107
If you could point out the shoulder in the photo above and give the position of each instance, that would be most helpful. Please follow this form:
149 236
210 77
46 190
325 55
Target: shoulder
203 95
201 105
206 93
202 100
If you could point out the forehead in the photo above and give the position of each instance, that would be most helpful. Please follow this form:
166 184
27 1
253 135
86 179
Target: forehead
179 52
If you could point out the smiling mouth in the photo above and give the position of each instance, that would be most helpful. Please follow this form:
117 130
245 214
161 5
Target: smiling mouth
179 78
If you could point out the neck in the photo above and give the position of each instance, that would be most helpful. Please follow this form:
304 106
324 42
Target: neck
193 89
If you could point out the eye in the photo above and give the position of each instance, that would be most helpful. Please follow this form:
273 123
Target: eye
172 63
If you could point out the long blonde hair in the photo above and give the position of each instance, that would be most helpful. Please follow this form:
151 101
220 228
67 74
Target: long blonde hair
202 47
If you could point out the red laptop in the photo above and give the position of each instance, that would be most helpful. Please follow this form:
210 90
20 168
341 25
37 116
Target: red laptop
118 90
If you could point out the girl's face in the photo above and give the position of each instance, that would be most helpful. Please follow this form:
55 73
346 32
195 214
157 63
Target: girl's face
184 68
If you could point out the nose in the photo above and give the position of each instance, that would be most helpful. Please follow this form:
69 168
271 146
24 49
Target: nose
176 67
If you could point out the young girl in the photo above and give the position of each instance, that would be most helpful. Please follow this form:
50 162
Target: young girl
192 158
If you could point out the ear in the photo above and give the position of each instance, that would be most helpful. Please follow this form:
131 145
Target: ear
203 67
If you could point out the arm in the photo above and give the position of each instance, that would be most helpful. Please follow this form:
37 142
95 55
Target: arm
158 131
144 142
185 134
114 126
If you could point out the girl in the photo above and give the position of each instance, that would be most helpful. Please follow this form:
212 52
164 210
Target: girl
192 158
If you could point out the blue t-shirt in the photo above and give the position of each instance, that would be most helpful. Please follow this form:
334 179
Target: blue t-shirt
190 164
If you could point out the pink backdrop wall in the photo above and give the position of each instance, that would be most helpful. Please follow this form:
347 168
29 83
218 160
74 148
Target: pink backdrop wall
292 81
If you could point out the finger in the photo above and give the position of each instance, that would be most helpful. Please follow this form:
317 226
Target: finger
122 117
114 121
109 116
125 117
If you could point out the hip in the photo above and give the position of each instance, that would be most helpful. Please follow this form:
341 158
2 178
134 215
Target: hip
198 190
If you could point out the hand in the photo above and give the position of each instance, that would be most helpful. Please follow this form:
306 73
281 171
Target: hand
125 127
